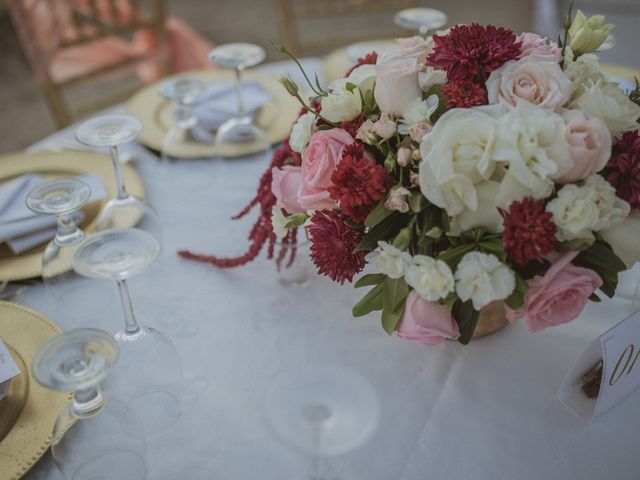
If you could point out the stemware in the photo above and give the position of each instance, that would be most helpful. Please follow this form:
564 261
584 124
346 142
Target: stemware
322 412
186 135
96 436
149 375
421 20
111 131
241 129
293 264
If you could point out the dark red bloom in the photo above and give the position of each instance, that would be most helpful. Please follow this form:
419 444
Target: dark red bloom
369 59
529 231
623 170
332 246
358 183
472 52
465 94
352 127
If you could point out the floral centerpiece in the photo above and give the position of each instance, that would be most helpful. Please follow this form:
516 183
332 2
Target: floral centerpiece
471 168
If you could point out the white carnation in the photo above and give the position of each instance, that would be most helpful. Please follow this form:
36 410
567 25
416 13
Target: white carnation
574 213
301 132
483 278
431 279
612 210
391 260
342 105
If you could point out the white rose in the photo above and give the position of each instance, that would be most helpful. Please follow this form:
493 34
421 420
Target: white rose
301 132
396 84
419 111
391 260
278 221
531 141
574 213
607 102
612 210
486 215
483 278
623 238
342 105
431 279
431 77
456 155
363 77
411 47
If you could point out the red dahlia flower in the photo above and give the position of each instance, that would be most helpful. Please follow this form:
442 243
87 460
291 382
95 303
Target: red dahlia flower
465 94
623 170
358 183
529 231
332 245
472 52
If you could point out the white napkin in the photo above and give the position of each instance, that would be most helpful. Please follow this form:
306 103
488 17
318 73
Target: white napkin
8 370
219 102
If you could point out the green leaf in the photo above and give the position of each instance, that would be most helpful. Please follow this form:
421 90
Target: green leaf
417 202
370 302
377 215
350 87
390 319
467 319
454 255
516 299
395 290
370 279
496 248
386 230
575 244
595 298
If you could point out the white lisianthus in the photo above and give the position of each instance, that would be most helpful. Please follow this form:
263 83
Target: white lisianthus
483 278
391 260
574 212
612 210
531 141
585 67
456 155
431 77
431 279
363 77
342 105
607 102
587 34
418 110
301 132
278 221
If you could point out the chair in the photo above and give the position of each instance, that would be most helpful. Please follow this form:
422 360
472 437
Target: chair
69 42
338 15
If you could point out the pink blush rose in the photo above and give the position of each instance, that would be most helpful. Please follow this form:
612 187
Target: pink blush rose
534 44
558 297
426 322
285 184
319 161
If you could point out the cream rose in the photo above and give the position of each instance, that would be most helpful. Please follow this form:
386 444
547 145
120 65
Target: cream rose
301 132
536 79
534 44
396 84
483 278
623 238
430 278
342 105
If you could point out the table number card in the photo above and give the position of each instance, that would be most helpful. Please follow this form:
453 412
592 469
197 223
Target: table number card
619 351
8 369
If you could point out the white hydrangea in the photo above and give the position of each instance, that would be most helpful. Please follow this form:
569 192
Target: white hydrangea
483 278
391 260
430 278
301 132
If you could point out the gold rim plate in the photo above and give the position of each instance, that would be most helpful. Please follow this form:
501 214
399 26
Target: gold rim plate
25 330
55 165
155 112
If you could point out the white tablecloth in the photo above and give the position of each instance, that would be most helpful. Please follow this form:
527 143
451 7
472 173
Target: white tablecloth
486 411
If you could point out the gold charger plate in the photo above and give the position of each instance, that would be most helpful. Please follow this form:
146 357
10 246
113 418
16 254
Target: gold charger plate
55 165
25 330
156 113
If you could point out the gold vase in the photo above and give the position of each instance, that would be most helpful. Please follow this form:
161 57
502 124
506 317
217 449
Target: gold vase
492 319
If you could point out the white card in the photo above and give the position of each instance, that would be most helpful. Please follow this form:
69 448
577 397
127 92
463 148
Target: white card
619 349
8 369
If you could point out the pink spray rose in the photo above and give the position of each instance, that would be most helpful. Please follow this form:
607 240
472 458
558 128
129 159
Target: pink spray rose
558 297
534 44
589 142
318 163
426 322
285 184
397 84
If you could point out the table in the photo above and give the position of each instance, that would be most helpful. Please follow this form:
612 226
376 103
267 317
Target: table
486 411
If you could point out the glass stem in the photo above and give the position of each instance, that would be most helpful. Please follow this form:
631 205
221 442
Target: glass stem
132 329
117 168
88 402
68 232
423 31
238 82
184 115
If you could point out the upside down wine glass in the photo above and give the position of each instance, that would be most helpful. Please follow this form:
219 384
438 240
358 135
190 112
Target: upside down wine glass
240 130
420 20
322 412
149 375
96 437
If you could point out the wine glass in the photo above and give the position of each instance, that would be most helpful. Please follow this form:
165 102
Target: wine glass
421 20
293 263
96 436
149 375
187 135
322 412
110 131
240 130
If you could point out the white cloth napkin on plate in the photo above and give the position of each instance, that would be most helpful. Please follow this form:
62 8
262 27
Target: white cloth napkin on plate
22 229
219 102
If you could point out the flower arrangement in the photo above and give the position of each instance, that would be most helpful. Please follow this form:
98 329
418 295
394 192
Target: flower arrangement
471 168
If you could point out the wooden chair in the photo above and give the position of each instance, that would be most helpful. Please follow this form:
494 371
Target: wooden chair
293 13
70 42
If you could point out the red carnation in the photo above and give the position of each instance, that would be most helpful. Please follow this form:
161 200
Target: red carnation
465 94
473 51
332 246
623 170
358 183
529 231
368 59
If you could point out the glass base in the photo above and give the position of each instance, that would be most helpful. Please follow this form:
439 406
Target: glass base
240 133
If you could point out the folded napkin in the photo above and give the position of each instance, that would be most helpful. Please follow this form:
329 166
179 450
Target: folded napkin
23 229
8 370
219 103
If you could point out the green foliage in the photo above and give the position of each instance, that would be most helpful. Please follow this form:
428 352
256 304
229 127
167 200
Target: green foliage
467 319
372 301
600 258
296 220
377 215
370 279
516 299
384 231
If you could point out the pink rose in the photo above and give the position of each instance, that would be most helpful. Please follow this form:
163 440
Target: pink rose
318 163
426 322
385 127
419 130
558 297
536 79
411 47
396 84
534 44
285 184
589 142
404 156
